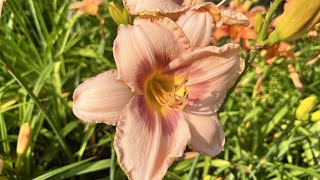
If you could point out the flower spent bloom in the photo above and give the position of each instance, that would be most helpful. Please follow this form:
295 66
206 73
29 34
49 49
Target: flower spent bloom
240 32
166 92
87 6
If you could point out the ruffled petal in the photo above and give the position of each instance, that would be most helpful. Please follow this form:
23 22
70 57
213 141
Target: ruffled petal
212 71
199 23
149 45
136 7
101 99
207 135
233 18
144 145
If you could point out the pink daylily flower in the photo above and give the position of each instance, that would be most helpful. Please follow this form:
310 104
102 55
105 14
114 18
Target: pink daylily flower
165 94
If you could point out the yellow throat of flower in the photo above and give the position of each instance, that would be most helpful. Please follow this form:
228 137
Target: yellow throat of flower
162 90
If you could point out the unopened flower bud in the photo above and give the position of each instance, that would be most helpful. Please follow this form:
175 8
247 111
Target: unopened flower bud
24 138
258 22
315 116
305 107
299 17
119 14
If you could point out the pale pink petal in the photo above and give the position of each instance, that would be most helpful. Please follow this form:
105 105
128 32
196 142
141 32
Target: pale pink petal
199 23
212 71
145 148
101 98
136 7
149 45
191 2
233 18
207 135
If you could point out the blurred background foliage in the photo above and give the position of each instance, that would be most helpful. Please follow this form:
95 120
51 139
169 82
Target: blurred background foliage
47 50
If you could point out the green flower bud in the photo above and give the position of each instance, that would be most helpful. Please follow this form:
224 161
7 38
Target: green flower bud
315 116
258 22
299 17
305 107
119 14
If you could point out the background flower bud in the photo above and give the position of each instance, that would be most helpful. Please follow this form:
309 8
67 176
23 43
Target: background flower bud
315 116
258 22
305 107
24 138
119 14
299 17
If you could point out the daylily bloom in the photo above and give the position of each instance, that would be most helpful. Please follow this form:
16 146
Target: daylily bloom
165 94
87 6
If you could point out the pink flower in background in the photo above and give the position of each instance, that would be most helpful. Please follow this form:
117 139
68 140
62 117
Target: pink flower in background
166 92
87 6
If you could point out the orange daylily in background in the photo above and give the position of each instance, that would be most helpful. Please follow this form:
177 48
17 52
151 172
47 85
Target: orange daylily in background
166 92
281 49
237 32
87 6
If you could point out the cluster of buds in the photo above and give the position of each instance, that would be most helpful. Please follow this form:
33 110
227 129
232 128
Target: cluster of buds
119 14
305 109
299 17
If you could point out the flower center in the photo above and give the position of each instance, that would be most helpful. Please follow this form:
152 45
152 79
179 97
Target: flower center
166 91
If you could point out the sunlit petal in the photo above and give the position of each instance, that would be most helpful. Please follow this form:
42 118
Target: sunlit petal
136 7
199 23
207 135
212 71
101 98
144 145
148 45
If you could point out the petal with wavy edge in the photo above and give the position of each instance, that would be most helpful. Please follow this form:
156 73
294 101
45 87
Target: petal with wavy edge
101 99
233 18
207 135
150 44
199 23
212 71
144 148
136 7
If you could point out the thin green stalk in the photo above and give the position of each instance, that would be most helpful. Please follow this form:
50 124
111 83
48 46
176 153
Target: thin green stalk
36 22
260 43
193 167
263 33
48 117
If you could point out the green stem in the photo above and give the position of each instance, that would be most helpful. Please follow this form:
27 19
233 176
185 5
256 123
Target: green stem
193 167
44 111
260 42
263 33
